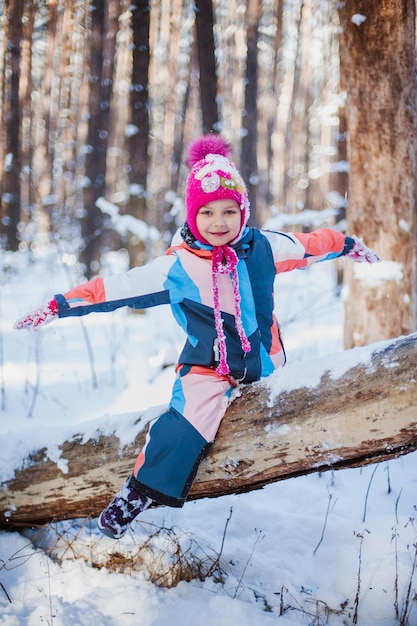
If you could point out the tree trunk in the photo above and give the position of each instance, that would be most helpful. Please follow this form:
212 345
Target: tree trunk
41 161
276 88
12 119
105 17
377 58
138 140
60 140
139 104
248 159
368 413
28 196
204 23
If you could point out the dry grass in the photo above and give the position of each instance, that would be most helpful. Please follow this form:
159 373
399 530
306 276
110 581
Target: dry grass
165 556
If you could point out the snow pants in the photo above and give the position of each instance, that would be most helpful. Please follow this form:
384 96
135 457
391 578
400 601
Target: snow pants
178 439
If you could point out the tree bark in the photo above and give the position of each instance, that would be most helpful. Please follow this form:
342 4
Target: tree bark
367 414
377 59
276 89
138 141
248 158
105 16
204 23
27 194
12 119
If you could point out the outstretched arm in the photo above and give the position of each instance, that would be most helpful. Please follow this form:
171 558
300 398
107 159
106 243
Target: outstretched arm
300 250
140 288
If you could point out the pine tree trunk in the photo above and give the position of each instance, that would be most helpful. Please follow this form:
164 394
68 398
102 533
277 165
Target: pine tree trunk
248 159
103 44
377 57
138 140
12 119
204 22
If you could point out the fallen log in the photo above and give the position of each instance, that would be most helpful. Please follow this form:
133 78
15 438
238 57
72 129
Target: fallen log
362 408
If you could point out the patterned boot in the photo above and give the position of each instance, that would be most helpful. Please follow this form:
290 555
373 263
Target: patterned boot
122 510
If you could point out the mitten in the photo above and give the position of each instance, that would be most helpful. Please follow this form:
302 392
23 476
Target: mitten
44 315
361 253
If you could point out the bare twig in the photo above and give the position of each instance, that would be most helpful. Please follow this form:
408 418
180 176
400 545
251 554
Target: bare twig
258 539
5 592
358 590
325 523
406 608
389 489
225 530
396 504
8 564
51 615
367 491
396 604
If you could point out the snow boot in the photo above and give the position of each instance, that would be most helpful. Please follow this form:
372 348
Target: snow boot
122 510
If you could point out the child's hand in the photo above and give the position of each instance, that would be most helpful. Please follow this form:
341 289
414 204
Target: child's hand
34 320
361 253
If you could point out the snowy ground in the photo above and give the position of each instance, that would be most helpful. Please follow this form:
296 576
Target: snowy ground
335 548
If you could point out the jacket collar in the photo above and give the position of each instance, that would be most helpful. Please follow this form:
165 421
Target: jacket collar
205 251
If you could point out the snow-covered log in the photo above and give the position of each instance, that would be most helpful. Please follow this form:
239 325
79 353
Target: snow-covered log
350 409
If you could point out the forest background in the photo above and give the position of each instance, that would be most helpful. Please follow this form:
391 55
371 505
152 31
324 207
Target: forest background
100 98
99 101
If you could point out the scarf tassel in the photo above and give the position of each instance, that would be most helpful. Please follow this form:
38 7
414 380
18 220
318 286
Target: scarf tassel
224 261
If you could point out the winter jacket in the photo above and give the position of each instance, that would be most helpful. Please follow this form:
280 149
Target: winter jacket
182 279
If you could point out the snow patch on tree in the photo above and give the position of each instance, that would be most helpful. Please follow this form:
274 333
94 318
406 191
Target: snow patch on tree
358 19
375 275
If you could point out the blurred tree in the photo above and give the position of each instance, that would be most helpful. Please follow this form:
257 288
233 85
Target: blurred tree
297 133
204 23
11 128
104 25
28 199
377 59
172 76
275 89
138 135
42 164
248 157
59 116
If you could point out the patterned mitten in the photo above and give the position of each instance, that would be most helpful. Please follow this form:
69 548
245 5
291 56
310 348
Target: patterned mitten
361 253
44 315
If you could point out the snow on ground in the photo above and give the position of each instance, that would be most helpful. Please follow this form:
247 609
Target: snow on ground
332 548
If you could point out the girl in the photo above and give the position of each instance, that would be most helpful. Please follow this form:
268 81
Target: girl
219 281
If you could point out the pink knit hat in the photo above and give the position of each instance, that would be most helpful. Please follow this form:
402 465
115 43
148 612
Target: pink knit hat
213 177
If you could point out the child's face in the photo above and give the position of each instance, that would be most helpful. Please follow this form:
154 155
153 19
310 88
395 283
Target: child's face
219 222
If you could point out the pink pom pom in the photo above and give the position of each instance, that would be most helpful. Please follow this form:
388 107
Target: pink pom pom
208 144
